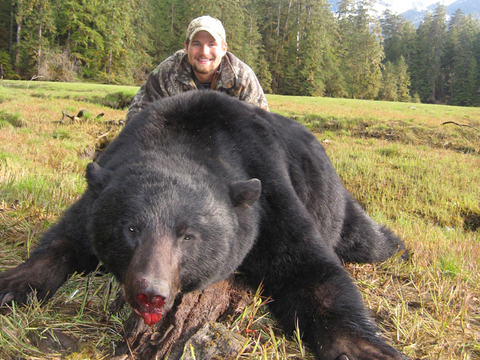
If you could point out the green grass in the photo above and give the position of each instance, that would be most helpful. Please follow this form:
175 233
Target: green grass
417 124
410 172
109 95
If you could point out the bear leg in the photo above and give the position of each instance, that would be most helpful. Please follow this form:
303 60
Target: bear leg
322 303
63 250
365 241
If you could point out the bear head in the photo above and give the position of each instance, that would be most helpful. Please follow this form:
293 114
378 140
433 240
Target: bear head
163 229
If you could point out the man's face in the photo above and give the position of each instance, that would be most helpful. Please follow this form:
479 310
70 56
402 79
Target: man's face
205 55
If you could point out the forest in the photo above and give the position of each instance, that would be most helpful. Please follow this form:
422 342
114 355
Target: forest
296 47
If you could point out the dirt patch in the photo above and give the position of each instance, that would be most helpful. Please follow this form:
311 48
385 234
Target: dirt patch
94 150
471 221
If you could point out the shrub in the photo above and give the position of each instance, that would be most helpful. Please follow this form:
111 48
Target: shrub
13 119
5 63
119 99
58 66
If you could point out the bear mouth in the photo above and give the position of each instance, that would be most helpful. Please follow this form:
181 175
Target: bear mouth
151 310
150 318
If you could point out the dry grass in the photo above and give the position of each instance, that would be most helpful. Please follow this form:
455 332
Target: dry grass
417 114
411 173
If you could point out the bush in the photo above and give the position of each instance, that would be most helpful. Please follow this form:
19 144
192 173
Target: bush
6 65
119 100
58 66
14 119
416 98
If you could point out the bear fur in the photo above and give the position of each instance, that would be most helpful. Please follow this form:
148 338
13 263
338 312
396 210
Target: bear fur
200 185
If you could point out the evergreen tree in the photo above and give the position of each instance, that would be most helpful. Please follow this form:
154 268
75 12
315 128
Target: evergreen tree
46 29
27 38
421 60
459 58
388 91
318 57
470 90
392 26
403 80
269 13
362 51
477 59
296 47
5 18
76 35
17 14
448 63
435 43
395 82
6 66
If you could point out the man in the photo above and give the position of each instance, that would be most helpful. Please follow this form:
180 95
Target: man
204 64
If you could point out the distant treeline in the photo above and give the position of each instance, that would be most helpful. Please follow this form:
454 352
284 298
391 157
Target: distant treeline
296 47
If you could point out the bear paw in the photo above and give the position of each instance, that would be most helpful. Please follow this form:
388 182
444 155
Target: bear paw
361 349
20 284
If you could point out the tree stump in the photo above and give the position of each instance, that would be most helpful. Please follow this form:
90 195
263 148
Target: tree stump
191 326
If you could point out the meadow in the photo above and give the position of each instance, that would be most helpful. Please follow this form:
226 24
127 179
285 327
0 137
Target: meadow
414 167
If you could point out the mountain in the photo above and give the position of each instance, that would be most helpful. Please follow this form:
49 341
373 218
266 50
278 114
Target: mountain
467 6
416 15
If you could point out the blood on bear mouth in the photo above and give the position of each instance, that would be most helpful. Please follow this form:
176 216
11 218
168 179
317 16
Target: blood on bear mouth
150 311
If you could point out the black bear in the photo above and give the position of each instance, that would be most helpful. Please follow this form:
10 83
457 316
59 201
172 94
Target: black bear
199 185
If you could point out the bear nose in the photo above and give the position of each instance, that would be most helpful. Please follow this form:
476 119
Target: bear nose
150 304
149 291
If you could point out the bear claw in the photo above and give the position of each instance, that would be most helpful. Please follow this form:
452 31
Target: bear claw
6 299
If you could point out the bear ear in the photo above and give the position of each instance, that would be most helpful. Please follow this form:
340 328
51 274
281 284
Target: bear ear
245 192
97 177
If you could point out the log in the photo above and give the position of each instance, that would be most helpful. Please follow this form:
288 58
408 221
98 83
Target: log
193 326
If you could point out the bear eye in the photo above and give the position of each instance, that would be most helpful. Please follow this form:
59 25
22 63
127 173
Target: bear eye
188 237
132 229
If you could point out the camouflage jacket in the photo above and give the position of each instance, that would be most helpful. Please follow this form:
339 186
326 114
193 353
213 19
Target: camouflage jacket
174 76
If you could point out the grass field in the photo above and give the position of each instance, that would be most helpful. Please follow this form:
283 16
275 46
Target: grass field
414 167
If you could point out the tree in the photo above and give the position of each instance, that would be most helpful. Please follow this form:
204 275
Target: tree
392 26
317 64
451 46
45 23
395 82
296 47
18 21
470 93
6 70
388 91
403 80
435 43
258 60
79 32
6 24
459 60
421 60
362 51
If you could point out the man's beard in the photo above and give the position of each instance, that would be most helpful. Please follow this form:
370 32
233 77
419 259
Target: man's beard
210 69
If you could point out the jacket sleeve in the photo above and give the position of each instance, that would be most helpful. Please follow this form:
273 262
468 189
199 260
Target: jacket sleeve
151 90
253 93
251 90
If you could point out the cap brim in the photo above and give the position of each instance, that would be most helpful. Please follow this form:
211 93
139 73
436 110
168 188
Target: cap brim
215 35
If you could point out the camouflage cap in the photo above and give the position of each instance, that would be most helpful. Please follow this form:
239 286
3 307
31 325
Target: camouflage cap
209 24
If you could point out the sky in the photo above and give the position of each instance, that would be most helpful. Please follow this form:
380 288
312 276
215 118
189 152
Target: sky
400 6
